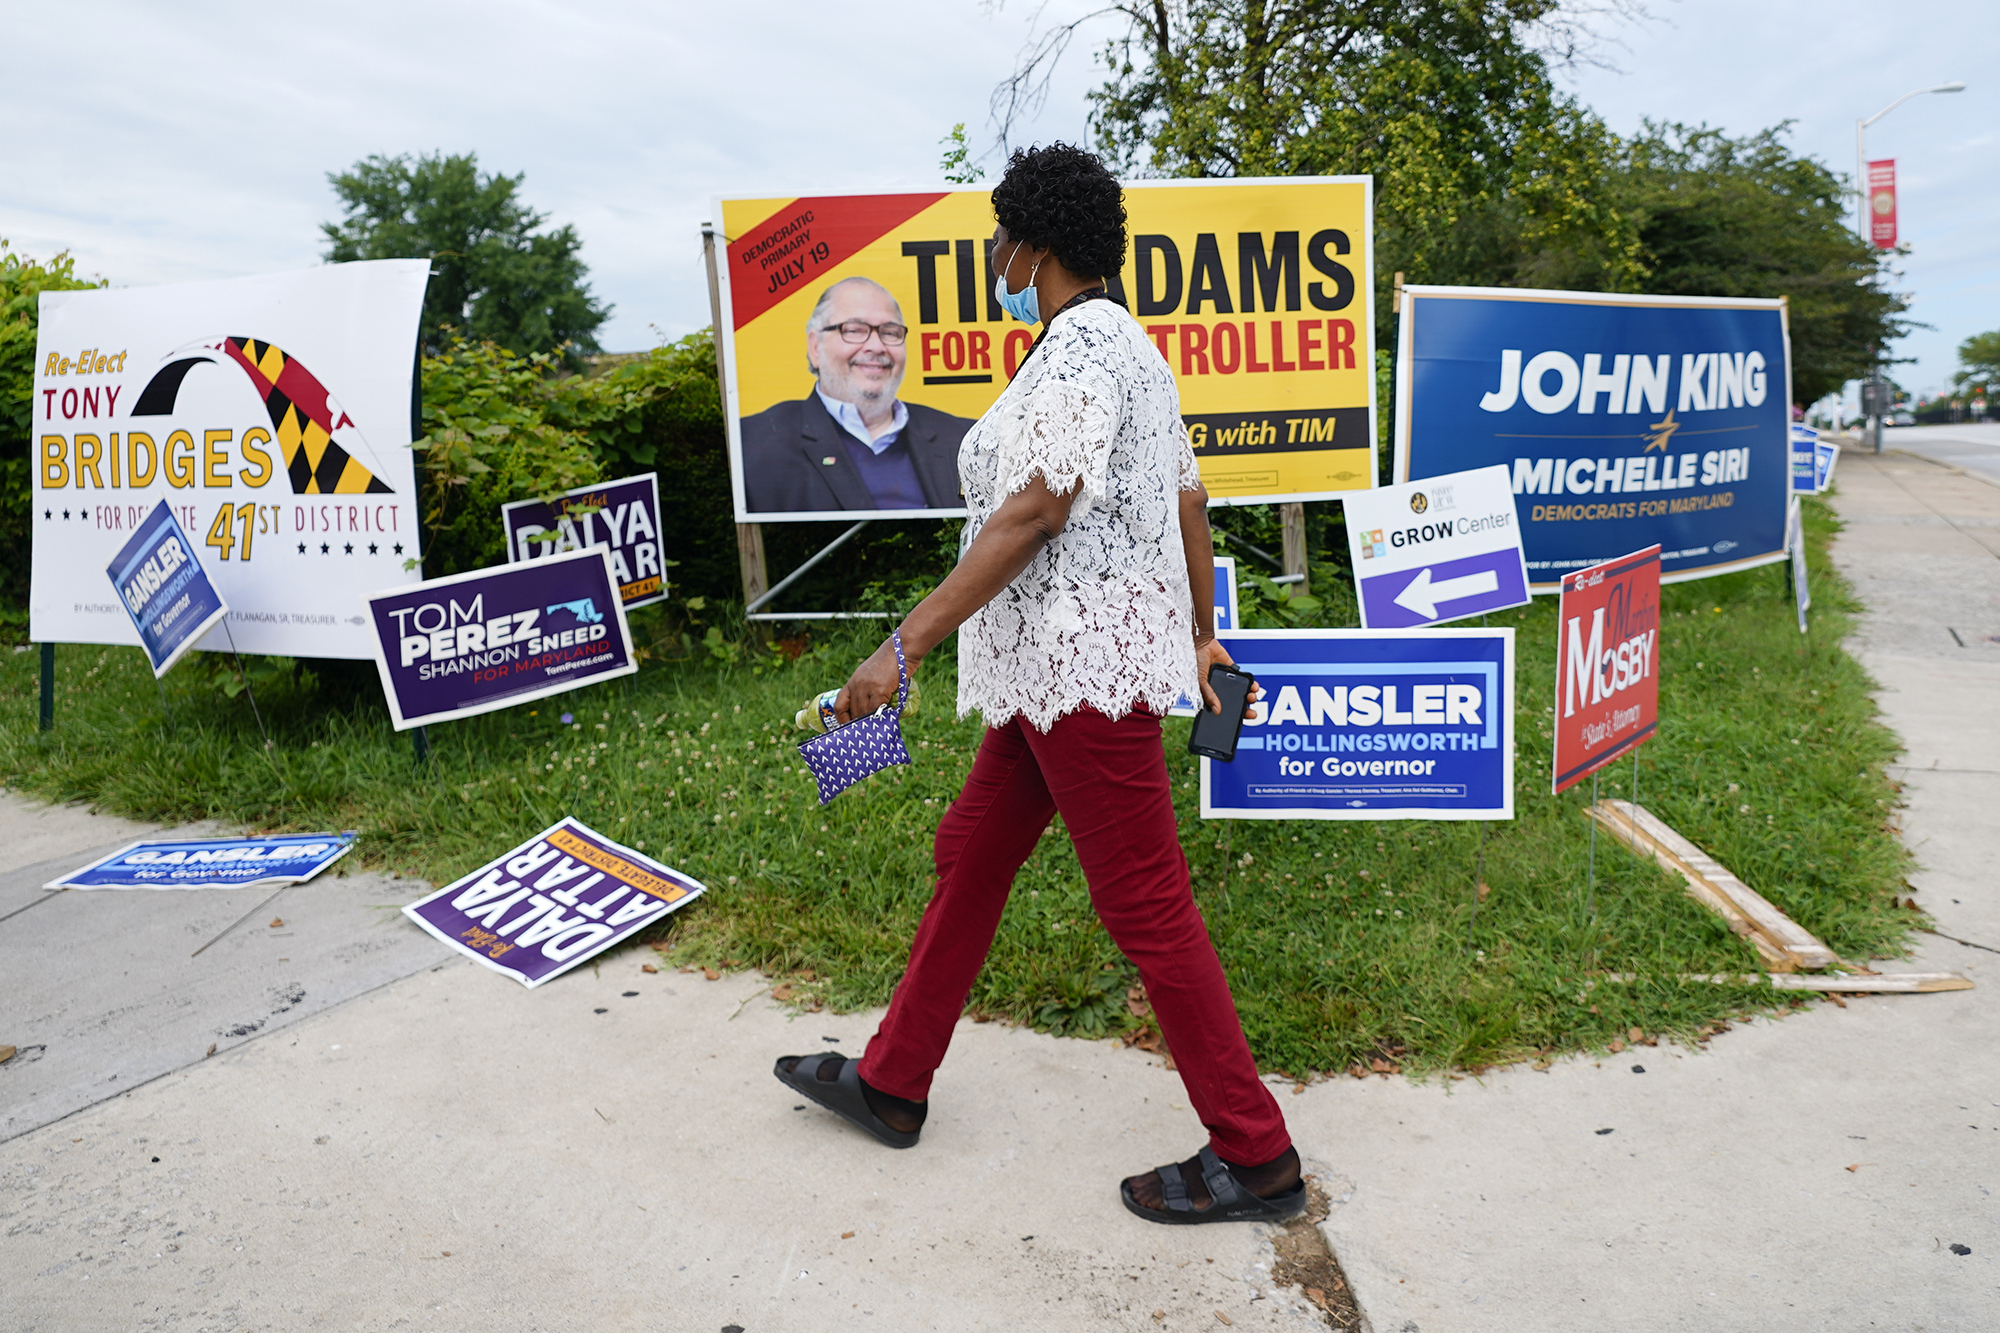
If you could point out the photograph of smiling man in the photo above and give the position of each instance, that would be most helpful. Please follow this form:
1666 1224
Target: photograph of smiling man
852 444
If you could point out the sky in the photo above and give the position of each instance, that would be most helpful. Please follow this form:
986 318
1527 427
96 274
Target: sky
163 143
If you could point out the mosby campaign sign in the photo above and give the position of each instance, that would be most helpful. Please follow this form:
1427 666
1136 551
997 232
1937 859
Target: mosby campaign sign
1371 724
271 413
1607 664
563 895
211 863
1623 421
164 589
1257 292
1435 550
475 642
622 515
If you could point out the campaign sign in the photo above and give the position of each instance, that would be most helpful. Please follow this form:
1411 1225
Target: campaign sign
1623 421
1435 550
1825 455
210 863
471 643
1371 724
1795 534
164 589
1607 664
1225 620
1805 460
623 515
549 904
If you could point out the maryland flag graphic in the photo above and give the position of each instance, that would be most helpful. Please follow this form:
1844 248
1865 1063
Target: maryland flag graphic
308 423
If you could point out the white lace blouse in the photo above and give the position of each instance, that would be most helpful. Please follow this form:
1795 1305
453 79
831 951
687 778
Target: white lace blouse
1102 617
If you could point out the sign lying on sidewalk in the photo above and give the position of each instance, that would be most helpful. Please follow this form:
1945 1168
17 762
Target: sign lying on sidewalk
471 643
164 589
560 897
1371 724
1435 550
1607 664
623 515
211 863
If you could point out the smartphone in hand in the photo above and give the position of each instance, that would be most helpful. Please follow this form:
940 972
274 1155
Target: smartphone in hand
1214 734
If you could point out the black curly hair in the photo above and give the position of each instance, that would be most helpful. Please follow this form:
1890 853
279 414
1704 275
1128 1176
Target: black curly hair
1063 198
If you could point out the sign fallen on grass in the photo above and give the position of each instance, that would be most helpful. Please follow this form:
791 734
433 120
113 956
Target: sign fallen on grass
210 863
556 900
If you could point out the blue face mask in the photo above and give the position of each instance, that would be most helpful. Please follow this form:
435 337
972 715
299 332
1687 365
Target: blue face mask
1026 305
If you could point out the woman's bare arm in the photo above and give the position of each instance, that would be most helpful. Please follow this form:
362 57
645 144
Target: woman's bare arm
1025 522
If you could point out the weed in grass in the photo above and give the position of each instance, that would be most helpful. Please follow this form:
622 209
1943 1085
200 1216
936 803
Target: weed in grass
1350 945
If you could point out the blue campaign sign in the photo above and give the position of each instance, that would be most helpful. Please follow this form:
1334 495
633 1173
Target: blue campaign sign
1623 421
164 589
211 863
1805 459
1371 724
1225 619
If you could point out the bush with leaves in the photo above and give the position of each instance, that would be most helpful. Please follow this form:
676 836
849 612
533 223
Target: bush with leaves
22 281
488 440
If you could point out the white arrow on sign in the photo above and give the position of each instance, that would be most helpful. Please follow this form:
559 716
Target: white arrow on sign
1422 596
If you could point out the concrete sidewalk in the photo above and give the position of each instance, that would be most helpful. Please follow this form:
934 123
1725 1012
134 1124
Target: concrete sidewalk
611 1152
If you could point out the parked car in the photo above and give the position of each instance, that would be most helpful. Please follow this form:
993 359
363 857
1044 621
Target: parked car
1901 418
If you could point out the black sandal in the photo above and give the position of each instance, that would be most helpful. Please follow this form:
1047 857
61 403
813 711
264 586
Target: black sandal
1229 1201
842 1096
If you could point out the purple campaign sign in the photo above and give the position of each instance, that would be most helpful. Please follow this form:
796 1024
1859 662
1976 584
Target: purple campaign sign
1447 590
623 515
475 642
563 895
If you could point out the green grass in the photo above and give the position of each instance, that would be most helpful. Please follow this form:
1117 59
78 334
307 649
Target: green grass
1345 941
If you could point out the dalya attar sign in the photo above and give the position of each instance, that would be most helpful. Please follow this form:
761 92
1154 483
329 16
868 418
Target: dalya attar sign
1623 421
565 894
1607 664
623 516
270 414
1371 724
1256 292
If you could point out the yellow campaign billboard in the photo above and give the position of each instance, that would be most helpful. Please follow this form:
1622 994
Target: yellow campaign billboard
1256 292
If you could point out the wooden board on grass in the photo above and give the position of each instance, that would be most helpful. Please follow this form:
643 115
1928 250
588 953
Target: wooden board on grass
1783 943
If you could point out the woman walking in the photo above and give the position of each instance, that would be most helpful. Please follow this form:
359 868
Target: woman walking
1084 604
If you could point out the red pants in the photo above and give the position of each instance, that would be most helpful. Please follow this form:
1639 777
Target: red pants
1109 780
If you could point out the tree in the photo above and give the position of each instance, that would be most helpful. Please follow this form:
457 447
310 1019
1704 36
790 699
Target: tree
1480 163
1748 217
495 276
22 281
1979 362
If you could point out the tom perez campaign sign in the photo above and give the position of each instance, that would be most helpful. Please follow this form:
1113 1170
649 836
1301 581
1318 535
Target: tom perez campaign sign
622 515
475 642
1623 421
1607 663
271 414
1371 724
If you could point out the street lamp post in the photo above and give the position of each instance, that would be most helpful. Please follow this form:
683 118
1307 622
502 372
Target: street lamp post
1873 420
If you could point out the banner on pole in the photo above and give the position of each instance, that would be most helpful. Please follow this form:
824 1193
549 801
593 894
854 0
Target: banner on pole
1257 293
1607 664
556 900
272 414
622 515
471 643
1425 552
1882 203
1371 724
1623 421
164 589
210 863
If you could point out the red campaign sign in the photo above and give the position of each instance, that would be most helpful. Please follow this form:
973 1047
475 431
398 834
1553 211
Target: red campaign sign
1607 663
809 237
1882 203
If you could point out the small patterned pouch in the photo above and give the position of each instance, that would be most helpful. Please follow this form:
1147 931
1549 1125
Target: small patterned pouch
853 750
